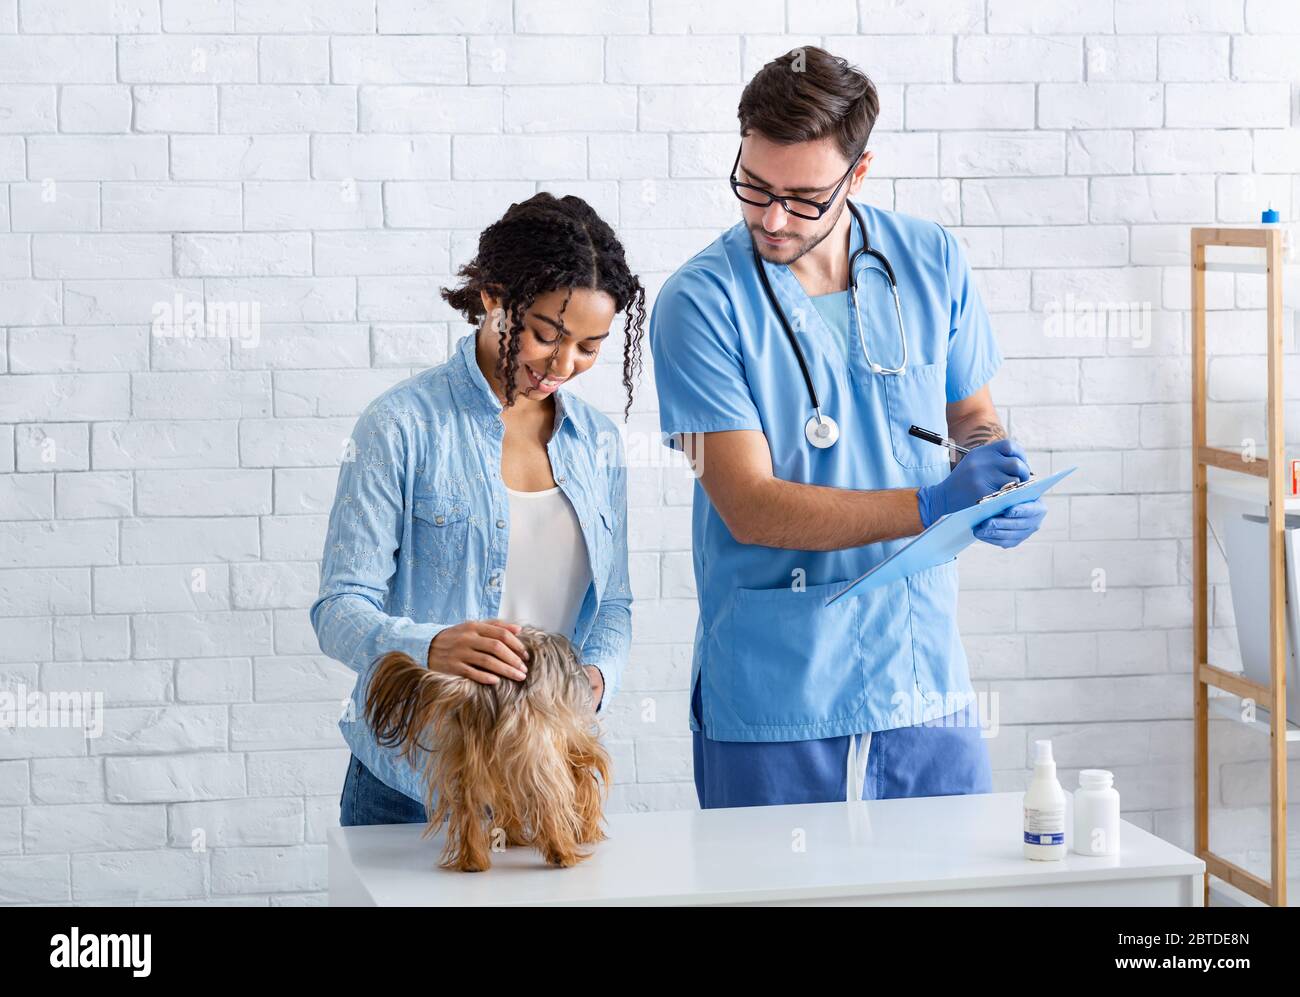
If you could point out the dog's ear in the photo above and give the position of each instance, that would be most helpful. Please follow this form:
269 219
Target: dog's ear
402 694
589 762
397 697
589 767
442 723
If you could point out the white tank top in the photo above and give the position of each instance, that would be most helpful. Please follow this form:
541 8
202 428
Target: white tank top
547 568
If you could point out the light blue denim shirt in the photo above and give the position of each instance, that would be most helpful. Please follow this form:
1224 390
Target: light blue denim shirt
420 526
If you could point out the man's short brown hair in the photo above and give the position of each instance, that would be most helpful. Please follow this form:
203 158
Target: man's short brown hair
809 94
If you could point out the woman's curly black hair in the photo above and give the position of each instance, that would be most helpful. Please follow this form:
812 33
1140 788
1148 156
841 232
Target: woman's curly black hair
541 245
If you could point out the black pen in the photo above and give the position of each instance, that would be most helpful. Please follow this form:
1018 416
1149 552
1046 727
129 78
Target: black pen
937 440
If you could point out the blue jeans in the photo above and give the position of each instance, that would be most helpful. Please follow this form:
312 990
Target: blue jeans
935 758
367 800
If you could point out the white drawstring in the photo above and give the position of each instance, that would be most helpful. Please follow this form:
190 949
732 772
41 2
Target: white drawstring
856 771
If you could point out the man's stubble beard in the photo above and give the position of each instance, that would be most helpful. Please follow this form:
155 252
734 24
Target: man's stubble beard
803 246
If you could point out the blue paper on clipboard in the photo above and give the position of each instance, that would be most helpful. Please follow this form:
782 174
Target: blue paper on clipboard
948 536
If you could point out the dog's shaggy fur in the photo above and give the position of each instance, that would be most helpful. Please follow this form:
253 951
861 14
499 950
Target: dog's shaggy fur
515 763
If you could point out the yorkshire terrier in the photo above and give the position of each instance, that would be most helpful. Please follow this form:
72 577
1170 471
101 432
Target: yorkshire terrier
515 763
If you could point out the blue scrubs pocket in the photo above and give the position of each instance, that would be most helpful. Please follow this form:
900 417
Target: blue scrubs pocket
780 660
918 396
942 673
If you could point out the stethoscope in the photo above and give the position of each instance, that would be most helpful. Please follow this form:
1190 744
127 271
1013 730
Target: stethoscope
821 430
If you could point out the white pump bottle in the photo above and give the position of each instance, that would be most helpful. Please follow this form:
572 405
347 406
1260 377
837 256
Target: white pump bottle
1044 808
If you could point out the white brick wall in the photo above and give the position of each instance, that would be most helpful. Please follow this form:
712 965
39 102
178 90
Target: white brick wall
163 501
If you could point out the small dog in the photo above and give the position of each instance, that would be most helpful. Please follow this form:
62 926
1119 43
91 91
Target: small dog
515 763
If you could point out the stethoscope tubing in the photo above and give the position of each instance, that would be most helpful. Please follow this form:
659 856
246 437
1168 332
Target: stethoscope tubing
867 249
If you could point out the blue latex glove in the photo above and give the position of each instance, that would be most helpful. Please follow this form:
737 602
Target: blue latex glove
1014 525
981 472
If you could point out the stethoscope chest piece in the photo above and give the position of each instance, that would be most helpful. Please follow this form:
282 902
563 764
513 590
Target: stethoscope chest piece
822 432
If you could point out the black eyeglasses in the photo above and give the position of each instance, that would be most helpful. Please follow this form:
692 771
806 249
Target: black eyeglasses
800 207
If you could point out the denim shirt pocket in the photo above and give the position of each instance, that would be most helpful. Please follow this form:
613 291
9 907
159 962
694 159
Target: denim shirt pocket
441 523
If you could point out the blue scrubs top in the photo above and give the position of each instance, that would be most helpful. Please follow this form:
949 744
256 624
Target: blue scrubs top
775 663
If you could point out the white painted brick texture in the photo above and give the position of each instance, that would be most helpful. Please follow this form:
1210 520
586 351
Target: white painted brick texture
163 500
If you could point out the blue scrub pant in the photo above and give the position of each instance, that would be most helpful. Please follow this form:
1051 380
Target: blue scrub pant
935 758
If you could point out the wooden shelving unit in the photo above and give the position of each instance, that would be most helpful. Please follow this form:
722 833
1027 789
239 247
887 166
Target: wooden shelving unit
1271 697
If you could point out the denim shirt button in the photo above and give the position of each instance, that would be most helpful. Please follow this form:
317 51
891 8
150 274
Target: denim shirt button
439 519
501 524
559 478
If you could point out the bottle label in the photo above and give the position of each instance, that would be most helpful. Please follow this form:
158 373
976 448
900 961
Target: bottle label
1044 827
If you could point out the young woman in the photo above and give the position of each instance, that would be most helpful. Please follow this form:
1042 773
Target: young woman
482 494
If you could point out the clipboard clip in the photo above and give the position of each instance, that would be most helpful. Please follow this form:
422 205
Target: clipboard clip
1010 486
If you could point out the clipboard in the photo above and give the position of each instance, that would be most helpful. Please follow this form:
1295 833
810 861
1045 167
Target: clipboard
948 535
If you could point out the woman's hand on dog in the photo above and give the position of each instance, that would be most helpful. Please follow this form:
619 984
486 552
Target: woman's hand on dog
483 650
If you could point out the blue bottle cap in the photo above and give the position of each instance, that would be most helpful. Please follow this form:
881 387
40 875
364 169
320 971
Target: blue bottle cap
1270 216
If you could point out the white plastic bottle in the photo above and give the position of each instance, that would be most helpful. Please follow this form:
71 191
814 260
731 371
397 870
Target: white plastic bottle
1044 808
1096 814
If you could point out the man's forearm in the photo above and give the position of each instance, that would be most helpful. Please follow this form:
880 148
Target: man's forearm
790 515
977 431
796 516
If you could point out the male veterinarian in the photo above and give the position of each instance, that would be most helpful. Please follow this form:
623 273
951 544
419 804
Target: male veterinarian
792 355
